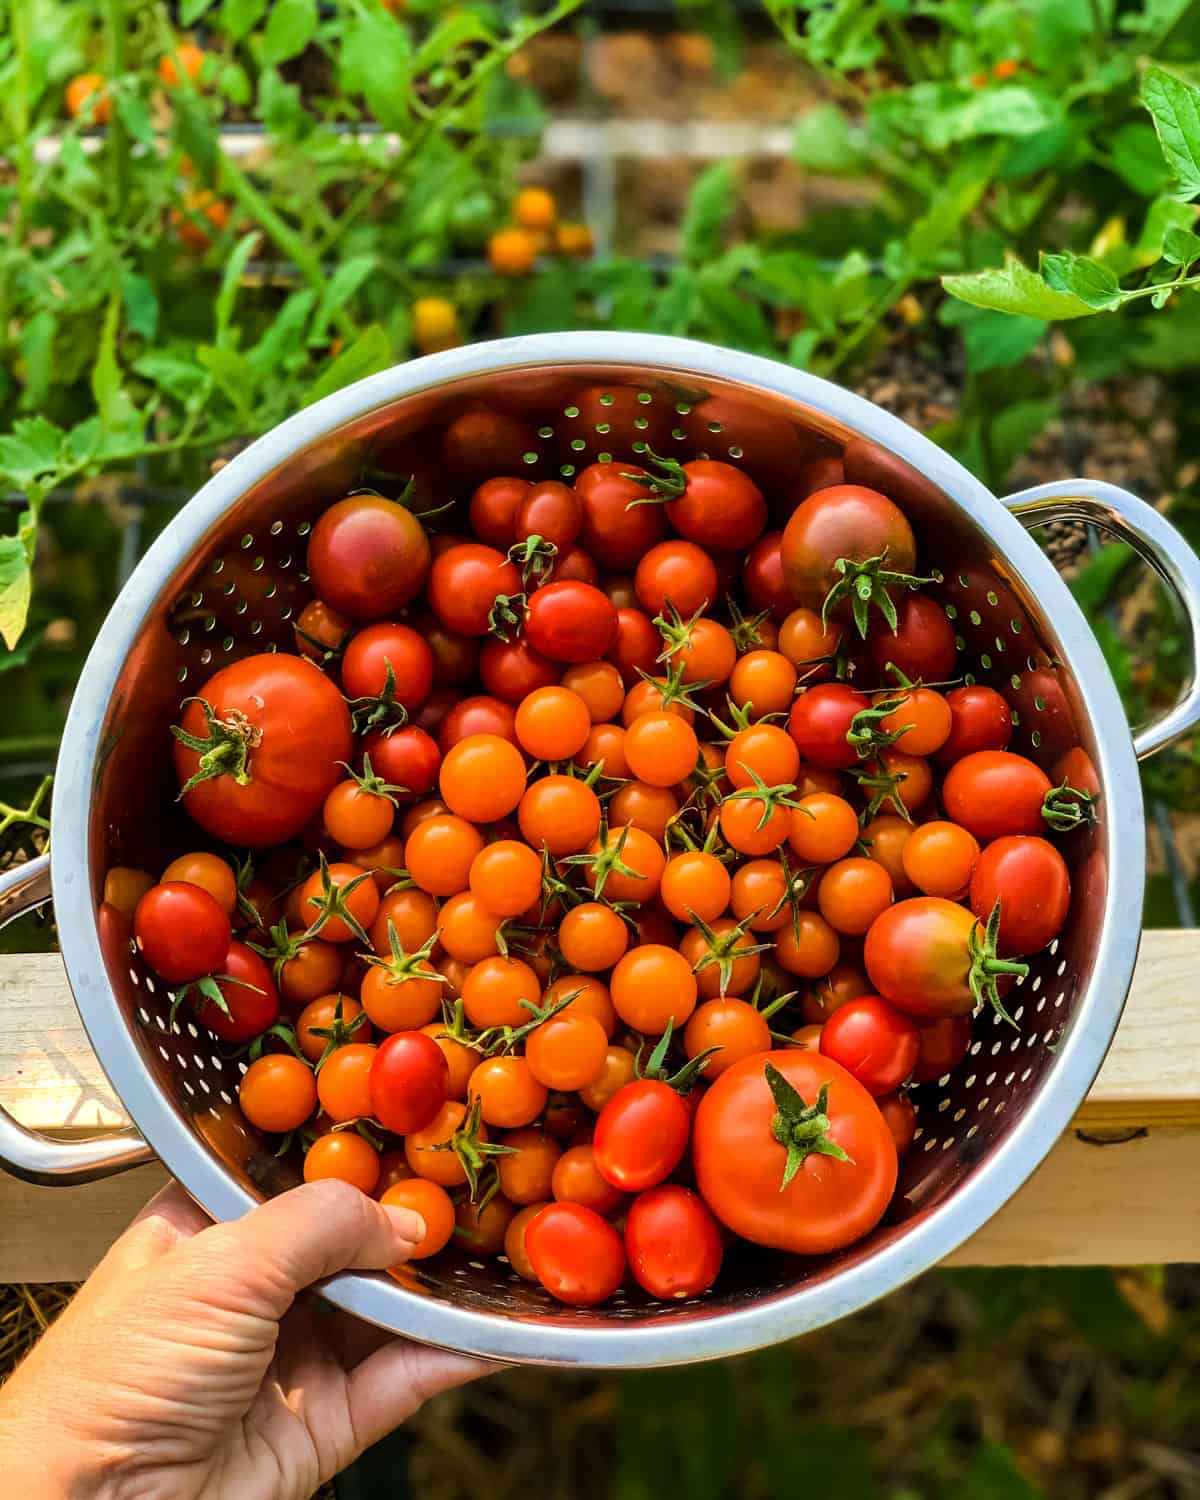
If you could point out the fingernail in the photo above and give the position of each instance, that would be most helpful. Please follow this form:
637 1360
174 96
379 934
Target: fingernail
408 1225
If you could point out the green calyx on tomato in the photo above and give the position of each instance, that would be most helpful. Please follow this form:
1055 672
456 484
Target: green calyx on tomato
685 1079
224 750
499 1041
535 557
796 886
771 797
401 966
674 629
673 689
802 1129
882 787
1065 807
725 949
605 862
209 987
382 712
337 1035
472 1152
668 484
865 584
506 615
332 902
987 966
866 733
745 628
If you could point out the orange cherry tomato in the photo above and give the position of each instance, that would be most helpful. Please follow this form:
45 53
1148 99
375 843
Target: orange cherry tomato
852 893
560 814
413 915
357 891
646 697
759 892
591 936
619 1066
385 860
467 929
344 1082
742 970
343 1154
527 1174
922 721
568 1051
494 989
647 807
599 684
124 887
315 970
320 1015
421 1147
435 1207
939 857
210 872
507 877
482 778
661 748
824 828
481 1231
514 1241
707 651
605 746
508 1093
460 1059
728 1023
765 680
651 985
590 996
807 946
808 645
754 826
885 837
638 863
766 751
695 884
576 1179
552 723
278 1092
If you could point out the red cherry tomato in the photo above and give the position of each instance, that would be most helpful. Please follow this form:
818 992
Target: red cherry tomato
409 1079
181 931
980 719
721 509
577 1255
994 792
678 574
673 1243
1030 880
551 511
406 757
513 669
820 720
478 715
900 1116
872 1041
372 650
762 575
844 521
943 1045
922 645
641 1135
636 645
493 510
616 531
464 584
570 622
249 994
367 557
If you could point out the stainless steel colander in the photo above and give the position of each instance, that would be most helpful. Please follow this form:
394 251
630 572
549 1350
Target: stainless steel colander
226 578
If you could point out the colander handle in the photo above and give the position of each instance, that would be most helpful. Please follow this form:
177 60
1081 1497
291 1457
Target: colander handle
1152 537
23 1152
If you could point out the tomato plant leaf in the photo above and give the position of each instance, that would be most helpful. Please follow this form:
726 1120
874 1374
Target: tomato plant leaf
175 373
823 142
1014 288
367 355
285 338
993 340
376 62
1180 246
141 304
235 268
30 450
994 1475
1175 110
342 285
195 134
459 29
1080 276
709 205
1138 160
233 375
291 25
16 589
239 17
135 116
190 11
37 350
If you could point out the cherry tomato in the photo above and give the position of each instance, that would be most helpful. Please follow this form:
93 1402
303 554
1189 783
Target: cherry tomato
568 1051
553 723
678 574
436 709
846 521
980 719
435 1207
762 574
494 989
740 1160
823 828
820 720
461 1059
809 645
764 681
181 931
918 956
938 858
1076 767
733 1026
249 994
209 871
484 440
807 945
578 1256
619 1065
551 511
479 1230
643 862
570 621
922 645
651 985
344 1082
376 648
314 970
320 631
479 715
276 732
512 669
404 1000
922 721
759 892
507 877
359 897
277 1093
514 1241
423 1147
493 510
605 746
319 1016
617 532
125 887
906 780
393 1168
527 1172
885 838
641 1135
661 748
467 929
720 508
482 778
695 884
1030 880
754 825
559 814
345 1155
993 793
406 757
455 656
408 1079
635 644
764 750
439 854
852 893
740 970
592 937
943 1045
576 1179
673 1243
843 982
367 557
356 817
599 684
900 1116
872 1041
464 584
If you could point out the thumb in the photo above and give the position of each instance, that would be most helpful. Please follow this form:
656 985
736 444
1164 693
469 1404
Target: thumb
307 1233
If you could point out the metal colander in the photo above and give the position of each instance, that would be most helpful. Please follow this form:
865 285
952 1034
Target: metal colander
227 578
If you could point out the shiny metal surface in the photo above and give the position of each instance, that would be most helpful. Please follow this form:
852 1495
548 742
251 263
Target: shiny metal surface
226 577
25 1153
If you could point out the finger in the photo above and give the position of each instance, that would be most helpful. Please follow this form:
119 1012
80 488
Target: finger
169 1217
310 1232
172 1207
389 1385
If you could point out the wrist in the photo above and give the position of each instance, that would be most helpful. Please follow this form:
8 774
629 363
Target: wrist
52 1465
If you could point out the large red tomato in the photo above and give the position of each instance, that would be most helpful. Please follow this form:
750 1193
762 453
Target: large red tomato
259 748
367 557
791 1152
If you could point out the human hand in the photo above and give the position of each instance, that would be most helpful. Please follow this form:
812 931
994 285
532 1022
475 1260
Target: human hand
185 1367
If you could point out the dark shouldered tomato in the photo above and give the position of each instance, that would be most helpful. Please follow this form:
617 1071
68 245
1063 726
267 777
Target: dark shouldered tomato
181 931
251 1001
577 1255
672 1242
367 557
1030 880
405 757
740 1156
372 650
873 1041
616 532
570 622
922 645
408 1081
994 792
464 584
820 720
980 719
846 521
272 730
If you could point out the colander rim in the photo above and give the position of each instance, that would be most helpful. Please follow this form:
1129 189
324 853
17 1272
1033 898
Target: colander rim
619 1345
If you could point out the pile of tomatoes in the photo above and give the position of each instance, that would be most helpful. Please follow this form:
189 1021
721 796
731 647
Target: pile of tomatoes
597 878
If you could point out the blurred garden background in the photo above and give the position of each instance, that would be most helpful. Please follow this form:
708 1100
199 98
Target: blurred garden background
980 215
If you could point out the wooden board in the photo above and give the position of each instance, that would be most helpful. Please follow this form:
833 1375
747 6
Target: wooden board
1139 1128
